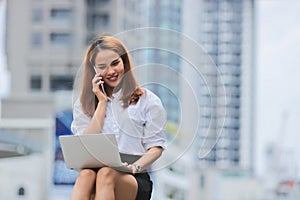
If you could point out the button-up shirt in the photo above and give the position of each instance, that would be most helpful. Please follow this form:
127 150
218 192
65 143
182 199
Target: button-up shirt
137 127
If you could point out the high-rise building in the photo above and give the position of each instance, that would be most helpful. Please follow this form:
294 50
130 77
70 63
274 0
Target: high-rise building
46 40
150 28
224 31
165 15
45 45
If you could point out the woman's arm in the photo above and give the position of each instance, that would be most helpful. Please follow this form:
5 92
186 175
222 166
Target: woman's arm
96 124
153 135
147 159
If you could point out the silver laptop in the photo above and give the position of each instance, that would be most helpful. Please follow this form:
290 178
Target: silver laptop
93 151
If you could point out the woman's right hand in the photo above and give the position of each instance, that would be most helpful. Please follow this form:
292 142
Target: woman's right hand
97 80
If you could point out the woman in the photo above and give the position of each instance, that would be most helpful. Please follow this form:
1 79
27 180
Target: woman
135 115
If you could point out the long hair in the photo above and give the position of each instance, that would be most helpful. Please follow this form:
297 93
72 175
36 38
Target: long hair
130 90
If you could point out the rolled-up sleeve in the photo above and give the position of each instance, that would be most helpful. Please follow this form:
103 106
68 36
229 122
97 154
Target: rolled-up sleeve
80 121
155 123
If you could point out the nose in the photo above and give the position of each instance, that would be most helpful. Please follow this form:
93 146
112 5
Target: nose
109 70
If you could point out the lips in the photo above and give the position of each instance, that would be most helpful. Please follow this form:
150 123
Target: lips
112 78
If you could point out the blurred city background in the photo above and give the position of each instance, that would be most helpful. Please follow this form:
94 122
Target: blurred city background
245 111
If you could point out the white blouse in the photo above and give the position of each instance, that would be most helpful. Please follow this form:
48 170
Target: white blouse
137 128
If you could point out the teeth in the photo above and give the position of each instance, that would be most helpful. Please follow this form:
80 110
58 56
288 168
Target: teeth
113 78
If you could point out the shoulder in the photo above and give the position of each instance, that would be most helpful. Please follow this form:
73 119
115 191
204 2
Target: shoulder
77 109
149 98
148 94
77 105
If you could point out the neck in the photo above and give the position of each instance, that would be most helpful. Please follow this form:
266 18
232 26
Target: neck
110 91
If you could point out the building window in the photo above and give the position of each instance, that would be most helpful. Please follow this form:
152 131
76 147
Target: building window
36 82
21 191
98 21
37 15
96 3
61 15
61 82
60 39
36 39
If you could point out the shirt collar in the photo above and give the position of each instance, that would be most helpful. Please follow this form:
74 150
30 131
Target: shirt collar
115 95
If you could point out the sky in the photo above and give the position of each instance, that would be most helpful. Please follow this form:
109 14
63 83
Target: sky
278 80
277 115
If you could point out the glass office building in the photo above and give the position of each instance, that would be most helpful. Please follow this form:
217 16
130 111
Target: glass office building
226 33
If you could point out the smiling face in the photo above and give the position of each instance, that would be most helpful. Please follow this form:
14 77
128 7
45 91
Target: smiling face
110 65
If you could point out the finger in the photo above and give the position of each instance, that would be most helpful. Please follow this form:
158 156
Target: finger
97 75
96 79
99 82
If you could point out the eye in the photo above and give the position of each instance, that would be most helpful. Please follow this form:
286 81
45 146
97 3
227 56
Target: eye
101 67
115 63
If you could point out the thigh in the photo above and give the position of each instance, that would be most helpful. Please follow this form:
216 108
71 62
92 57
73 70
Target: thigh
84 185
126 187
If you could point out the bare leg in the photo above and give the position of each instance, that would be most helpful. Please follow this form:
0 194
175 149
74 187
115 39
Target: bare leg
112 184
84 185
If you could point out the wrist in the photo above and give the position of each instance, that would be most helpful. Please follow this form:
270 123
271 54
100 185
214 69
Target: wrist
137 167
101 102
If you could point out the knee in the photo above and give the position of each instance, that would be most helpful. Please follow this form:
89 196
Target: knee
106 175
86 175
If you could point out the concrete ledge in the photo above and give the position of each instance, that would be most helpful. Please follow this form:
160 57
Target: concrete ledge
27 107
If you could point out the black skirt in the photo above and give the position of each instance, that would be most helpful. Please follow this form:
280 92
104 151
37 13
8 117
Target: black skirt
145 186
144 182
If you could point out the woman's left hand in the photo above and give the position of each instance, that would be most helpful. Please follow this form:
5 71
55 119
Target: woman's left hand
133 169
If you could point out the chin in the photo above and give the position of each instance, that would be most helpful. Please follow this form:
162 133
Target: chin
113 85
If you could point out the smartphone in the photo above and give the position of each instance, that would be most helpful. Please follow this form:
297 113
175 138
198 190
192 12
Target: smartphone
101 85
